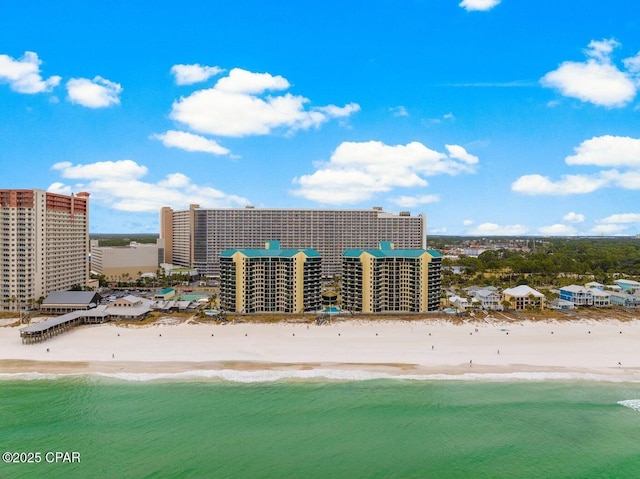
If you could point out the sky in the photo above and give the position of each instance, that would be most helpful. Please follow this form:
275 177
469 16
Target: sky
491 117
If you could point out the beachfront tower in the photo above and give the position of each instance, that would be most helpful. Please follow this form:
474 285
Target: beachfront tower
270 279
388 279
44 245
194 238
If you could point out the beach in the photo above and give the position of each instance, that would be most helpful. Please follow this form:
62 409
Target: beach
583 348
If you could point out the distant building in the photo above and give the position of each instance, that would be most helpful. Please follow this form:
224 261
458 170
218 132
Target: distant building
126 262
523 297
273 279
389 279
194 238
44 245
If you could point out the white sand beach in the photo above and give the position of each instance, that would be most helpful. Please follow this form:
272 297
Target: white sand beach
585 347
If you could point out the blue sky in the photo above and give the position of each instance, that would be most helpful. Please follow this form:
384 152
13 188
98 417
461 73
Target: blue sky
492 117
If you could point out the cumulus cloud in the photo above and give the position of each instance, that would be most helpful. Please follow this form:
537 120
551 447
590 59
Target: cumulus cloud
603 151
23 74
118 185
557 230
121 169
240 105
189 74
413 201
493 229
621 218
190 142
608 229
357 171
567 185
607 150
467 222
96 93
573 217
478 5
597 80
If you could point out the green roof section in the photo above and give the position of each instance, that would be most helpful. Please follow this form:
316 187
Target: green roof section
272 250
386 251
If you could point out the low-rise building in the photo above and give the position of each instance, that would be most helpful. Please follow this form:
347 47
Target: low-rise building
490 300
523 297
61 302
578 295
628 285
625 300
122 263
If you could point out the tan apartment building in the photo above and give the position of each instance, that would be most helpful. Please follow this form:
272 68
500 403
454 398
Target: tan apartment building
388 279
119 263
270 279
44 245
195 238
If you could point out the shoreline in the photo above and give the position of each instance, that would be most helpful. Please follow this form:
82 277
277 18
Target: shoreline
420 349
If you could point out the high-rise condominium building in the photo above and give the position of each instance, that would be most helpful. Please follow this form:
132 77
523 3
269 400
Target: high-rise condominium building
388 279
195 238
44 245
270 279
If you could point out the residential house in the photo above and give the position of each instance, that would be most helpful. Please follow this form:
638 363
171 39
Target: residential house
523 297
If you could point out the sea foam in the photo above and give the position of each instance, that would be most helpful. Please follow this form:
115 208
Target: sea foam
274 375
631 403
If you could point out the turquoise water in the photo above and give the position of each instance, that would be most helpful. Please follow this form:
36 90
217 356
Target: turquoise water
321 429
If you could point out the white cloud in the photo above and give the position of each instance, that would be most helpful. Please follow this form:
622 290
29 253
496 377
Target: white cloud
467 222
597 80
190 142
632 64
608 229
493 229
96 93
399 111
478 5
413 201
118 185
607 150
568 185
23 75
629 180
573 217
358 171
621 218
189 74
238 106
121 169
459 153
557 230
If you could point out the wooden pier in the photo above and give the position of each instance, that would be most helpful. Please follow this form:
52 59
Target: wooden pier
38 332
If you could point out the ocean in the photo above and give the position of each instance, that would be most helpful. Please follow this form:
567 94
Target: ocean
140 426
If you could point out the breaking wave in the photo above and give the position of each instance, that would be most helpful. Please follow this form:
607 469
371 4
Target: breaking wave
271 375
